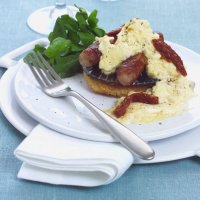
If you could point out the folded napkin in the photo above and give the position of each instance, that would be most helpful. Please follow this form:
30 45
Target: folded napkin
59 159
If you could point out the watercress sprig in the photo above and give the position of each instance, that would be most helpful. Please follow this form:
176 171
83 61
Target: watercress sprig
69 37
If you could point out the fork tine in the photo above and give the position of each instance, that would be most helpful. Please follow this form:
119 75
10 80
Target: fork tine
42 66
51 70
38 70
37 65
35 74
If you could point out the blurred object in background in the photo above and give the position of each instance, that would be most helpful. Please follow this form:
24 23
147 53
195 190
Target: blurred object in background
42 21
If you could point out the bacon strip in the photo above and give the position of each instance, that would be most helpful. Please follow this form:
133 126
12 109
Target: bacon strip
169 55
120 110
130 69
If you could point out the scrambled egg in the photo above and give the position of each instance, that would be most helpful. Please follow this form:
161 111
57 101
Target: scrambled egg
136 36
173 89
172 97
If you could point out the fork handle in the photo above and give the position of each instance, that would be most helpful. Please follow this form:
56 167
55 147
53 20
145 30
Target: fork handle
122 134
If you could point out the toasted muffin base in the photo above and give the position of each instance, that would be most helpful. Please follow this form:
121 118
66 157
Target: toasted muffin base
109 89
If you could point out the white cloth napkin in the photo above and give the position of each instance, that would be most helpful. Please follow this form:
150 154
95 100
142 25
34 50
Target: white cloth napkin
59 159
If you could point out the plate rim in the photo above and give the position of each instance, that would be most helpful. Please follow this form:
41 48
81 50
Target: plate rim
5 83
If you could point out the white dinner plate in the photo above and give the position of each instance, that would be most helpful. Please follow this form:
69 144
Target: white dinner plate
12 111
63 116
173 148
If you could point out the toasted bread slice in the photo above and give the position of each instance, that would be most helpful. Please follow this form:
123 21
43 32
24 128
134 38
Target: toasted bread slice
111 89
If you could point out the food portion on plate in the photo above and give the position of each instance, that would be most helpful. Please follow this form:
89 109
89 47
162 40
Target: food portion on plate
137 65
132 62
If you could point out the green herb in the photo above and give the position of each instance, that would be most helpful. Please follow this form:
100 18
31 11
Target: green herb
92 19
39 48
68 39
67 66
59 46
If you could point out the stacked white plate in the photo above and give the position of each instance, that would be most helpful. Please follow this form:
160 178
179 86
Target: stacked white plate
25 106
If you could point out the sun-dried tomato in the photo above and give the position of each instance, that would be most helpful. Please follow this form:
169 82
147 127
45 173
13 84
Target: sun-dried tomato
169 55
120 110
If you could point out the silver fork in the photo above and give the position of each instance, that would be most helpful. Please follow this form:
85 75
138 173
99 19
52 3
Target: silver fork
52 85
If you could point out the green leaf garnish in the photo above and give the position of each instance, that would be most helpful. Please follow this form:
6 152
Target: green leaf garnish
69 23
39 48
83 25
68 39
73 36
58 47
77 48
68 66
82 11
58 31
86 38
92 19
98 32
